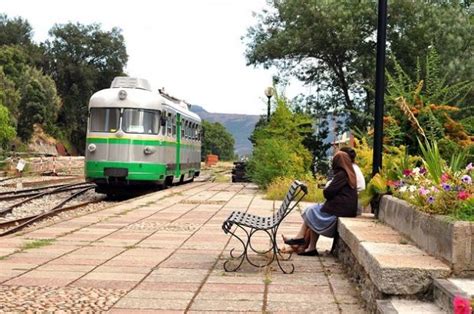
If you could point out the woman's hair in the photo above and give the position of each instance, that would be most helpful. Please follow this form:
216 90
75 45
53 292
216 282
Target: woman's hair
343 161
350 151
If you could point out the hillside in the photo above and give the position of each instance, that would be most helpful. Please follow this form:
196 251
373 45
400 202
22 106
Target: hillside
239 125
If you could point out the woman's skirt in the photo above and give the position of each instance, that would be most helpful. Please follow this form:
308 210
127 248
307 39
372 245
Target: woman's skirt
320 222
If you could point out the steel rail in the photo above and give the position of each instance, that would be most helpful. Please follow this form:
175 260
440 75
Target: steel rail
41 194
25 221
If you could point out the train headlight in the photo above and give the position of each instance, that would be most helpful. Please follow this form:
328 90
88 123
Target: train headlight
148 150
122 94
91 148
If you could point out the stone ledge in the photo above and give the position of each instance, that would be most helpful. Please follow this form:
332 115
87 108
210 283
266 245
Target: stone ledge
451 241
394 268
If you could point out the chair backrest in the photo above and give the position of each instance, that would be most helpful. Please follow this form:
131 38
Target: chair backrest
295 194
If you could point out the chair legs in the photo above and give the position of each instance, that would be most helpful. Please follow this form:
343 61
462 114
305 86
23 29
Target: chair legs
246 245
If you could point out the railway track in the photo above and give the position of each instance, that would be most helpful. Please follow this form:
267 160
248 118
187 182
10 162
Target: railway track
16 224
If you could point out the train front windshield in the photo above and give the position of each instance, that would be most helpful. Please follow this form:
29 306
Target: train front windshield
104 119
141 121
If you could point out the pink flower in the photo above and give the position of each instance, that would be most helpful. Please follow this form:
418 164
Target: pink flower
461 305
463 195
444 177
469 167
423 191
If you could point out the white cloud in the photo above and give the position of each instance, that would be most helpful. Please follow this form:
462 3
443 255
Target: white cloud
192 48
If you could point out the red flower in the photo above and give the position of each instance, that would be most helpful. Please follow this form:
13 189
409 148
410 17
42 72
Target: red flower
463 195
461 305
406 172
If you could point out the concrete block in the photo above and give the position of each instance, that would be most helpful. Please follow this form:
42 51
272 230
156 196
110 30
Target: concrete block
399 269
453 242
393 267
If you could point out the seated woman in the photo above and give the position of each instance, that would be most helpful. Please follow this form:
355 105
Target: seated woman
320 219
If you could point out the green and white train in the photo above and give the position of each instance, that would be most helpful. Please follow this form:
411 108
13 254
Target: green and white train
139 137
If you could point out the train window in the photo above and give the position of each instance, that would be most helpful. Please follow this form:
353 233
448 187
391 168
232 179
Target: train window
195 132
104 120
174 126
141 121
163 123
169 123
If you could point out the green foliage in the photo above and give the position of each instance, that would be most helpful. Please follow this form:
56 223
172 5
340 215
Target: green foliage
278 150
216 140
9 95
39 103
29 95
458 160
330 44
7 132
376 186
423 104
82 59
16 31
465 211
468 124
432 160
279 187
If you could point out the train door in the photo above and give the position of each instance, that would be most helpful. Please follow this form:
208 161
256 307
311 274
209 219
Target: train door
178 146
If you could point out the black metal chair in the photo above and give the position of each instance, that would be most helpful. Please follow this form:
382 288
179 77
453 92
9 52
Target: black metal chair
250 224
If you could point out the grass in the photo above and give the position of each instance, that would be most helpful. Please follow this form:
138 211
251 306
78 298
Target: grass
37 244
280 186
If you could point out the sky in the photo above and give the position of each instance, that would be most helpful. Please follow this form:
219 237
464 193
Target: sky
193 48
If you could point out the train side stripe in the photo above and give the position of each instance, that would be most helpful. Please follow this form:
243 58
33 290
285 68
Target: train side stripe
99 140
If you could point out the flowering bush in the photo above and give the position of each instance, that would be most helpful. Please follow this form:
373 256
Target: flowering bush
453 193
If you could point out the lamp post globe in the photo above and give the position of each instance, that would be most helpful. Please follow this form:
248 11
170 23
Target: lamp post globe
269 93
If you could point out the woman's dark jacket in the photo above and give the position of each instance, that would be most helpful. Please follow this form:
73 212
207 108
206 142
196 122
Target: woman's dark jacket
341 199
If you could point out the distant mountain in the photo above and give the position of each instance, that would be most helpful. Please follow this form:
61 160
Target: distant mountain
239 125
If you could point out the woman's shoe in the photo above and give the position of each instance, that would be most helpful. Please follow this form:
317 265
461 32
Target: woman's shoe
309 253
299 241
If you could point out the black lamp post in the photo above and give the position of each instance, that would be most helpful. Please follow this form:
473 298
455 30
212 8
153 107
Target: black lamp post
379 86
269 94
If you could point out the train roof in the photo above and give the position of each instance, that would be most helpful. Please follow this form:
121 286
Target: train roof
127 92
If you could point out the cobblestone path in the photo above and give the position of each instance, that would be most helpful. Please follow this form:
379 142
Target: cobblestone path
164 252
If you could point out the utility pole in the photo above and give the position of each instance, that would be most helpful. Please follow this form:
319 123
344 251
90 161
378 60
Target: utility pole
379 86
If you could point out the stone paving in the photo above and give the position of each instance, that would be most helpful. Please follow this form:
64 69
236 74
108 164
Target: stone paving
164 252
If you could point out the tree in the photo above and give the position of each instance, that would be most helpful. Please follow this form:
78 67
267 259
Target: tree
331 44
9 95
39 103
19 33
15 31
278 146
29 95
7 131
216 140
82 59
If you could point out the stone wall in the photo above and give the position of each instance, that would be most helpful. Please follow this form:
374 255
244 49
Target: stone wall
369 291
451 241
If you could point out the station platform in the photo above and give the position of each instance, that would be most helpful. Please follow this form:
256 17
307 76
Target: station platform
164 252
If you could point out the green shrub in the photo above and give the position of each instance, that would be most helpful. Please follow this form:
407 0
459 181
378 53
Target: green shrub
274 158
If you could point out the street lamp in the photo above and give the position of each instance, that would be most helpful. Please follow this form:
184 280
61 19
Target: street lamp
269 93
